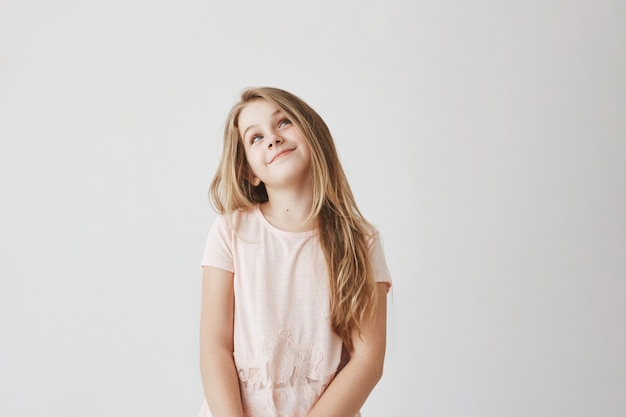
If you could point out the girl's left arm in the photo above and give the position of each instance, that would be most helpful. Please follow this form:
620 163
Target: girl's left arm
351 387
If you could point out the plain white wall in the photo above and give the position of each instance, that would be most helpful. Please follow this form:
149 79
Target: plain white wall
486 139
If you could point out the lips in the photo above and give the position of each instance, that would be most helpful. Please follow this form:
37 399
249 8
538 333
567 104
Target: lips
281 153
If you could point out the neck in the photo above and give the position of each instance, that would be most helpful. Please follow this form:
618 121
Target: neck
289 209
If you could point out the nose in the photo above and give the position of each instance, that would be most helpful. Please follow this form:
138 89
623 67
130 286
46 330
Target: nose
276 140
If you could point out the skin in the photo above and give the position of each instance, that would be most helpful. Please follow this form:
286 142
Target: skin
217 367
278 156
347 393
266 134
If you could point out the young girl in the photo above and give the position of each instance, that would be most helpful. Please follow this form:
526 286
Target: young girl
294 278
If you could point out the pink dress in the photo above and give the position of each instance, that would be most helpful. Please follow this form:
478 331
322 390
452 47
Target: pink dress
285 350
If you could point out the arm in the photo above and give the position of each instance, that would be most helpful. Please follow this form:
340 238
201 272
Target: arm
348 391
219 375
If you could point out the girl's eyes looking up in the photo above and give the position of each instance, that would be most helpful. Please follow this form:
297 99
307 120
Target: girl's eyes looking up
257 137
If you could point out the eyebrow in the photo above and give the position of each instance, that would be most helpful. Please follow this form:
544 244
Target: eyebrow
278 111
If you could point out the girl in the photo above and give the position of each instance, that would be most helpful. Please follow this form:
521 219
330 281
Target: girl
294 288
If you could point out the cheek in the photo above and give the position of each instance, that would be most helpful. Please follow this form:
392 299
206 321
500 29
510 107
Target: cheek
307 153
254 160
247 154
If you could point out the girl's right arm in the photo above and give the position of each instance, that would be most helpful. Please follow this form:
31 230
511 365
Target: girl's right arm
217 366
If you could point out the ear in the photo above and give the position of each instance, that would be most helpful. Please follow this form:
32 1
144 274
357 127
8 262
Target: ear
252 179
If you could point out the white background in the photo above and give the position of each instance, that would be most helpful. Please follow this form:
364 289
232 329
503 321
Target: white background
486 139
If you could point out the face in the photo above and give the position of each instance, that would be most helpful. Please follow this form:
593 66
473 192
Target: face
277 152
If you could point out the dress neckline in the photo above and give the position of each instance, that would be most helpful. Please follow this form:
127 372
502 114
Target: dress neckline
276 230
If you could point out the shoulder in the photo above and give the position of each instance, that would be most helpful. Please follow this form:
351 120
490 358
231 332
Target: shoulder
377 255
372 235
232 220
243 224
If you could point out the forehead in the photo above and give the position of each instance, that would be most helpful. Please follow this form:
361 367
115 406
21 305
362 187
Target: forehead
256 112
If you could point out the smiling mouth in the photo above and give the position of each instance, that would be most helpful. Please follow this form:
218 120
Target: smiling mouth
280 154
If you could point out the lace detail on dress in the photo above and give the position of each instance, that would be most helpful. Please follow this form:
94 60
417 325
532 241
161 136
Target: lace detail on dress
283 381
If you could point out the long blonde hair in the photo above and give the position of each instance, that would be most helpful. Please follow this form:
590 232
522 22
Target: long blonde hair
344 233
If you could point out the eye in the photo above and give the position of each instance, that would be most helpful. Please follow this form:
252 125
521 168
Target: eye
255 138
284 122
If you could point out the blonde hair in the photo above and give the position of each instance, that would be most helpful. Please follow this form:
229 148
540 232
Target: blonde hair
344 233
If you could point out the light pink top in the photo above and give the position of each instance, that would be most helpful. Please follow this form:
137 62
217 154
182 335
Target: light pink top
286 352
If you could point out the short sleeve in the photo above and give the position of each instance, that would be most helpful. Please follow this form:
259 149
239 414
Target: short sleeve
218 249
377 258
